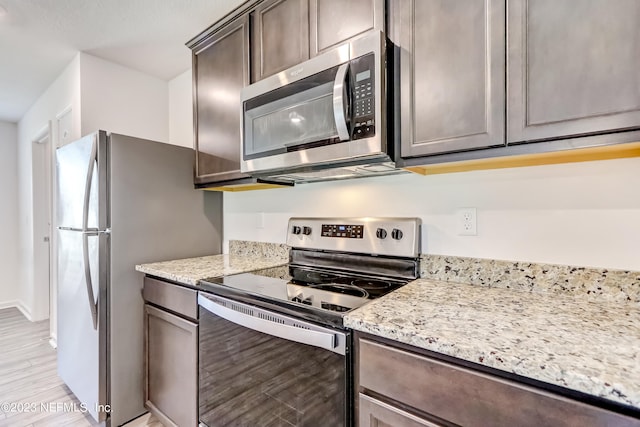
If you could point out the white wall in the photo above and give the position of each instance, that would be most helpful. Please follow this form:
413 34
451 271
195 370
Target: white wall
585 214
63 93
181 110
121 100
8 214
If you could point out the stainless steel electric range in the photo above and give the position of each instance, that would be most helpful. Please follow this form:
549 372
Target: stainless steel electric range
273 347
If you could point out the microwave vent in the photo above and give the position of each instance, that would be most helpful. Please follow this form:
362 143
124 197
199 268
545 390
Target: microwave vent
359 171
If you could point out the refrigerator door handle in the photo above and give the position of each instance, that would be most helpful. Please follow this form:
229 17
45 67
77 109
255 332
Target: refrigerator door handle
93 304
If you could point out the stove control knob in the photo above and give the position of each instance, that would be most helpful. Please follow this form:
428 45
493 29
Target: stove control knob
396 234
381 233
296 229
306 230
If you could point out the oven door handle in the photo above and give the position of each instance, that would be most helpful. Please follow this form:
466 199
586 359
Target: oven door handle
339 102
324 340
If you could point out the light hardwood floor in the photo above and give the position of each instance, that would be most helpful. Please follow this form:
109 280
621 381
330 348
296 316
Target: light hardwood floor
28 378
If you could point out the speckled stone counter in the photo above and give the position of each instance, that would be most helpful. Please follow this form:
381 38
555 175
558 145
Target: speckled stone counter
570 341
592 283
244 256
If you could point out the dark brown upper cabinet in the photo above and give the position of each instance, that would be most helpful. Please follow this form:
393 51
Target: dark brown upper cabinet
220 71
573 68
333 22
449 56
488 79
279 37
285 33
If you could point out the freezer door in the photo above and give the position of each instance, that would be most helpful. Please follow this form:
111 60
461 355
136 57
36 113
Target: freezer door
82 356
82 183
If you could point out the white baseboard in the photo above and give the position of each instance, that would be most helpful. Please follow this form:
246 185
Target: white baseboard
53 339
24 310
19 305
8 304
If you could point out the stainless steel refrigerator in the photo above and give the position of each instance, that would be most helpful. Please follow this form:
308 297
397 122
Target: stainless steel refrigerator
121 201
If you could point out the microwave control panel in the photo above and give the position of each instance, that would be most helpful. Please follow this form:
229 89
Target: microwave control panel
363 118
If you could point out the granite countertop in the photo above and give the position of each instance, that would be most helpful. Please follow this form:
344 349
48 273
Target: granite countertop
189 271
577 343
243 256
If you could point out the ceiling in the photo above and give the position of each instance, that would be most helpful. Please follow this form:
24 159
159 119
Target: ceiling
38 38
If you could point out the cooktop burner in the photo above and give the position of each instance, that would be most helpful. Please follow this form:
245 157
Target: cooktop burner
316 277
343 282
372 285
341 289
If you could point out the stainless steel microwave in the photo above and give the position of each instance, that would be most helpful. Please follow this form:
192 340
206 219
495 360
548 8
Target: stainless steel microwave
322 119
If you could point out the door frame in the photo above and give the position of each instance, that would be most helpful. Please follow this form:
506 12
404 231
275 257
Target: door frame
42 203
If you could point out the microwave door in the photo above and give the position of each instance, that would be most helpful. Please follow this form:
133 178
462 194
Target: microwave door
308 112
341 105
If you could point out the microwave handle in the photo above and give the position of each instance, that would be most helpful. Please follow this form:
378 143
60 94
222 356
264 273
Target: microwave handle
339 101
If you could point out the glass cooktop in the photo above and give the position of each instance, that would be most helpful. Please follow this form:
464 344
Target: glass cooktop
333 291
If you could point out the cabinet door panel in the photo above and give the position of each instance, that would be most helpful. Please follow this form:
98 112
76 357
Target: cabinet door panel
171 367
573 67
221 70
280 38
374 413
335 21
451 74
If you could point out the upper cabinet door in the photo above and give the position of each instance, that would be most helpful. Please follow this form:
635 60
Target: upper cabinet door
280 36
221 70
450 70
335 21
573 67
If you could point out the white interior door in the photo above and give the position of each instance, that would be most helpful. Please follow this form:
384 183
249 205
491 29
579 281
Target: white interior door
41 192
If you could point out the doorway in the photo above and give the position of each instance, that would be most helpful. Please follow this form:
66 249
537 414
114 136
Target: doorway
43 285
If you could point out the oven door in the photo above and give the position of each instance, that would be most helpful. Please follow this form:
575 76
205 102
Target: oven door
259 368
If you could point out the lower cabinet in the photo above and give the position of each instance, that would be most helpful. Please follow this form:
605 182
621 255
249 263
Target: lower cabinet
400 388
171 353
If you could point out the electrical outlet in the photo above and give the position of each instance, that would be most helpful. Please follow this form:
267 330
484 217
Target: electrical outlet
467 222
260 222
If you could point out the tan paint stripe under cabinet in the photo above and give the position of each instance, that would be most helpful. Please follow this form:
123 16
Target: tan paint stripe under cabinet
607 152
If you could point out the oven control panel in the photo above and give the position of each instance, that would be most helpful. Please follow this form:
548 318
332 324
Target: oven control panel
376 236
342 230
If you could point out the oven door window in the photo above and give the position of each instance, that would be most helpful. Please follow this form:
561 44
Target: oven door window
299 115
249 378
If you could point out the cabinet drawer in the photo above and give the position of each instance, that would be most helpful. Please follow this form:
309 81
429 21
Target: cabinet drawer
172 297
374 413
467 397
